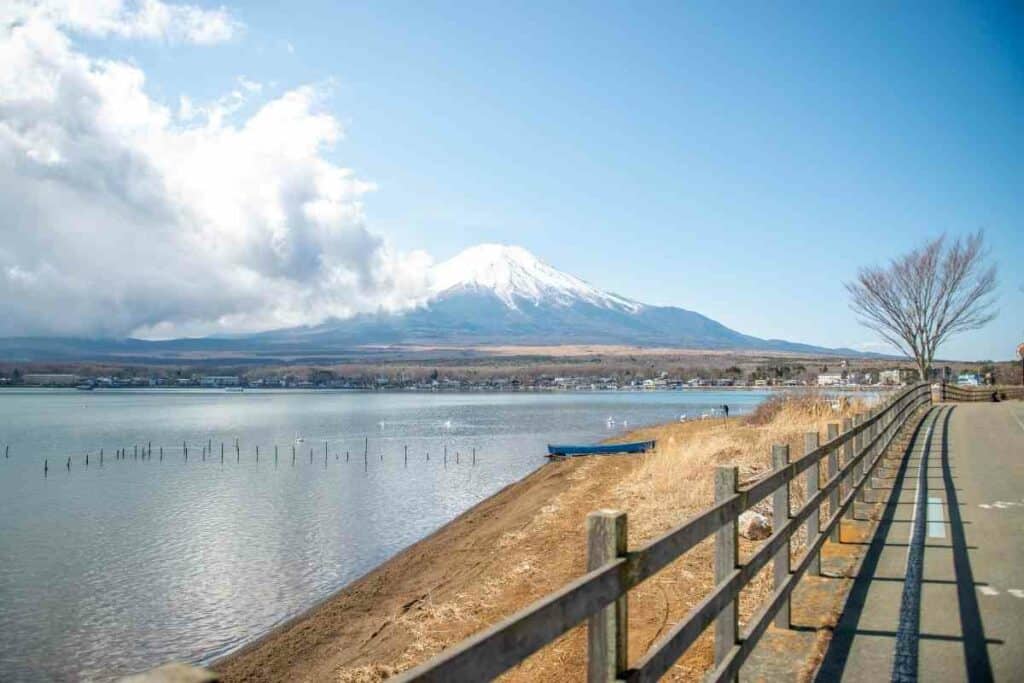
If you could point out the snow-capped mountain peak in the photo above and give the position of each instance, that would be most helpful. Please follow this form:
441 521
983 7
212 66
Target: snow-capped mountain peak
516 276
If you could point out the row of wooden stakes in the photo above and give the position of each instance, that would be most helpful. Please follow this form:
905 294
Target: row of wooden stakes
146 453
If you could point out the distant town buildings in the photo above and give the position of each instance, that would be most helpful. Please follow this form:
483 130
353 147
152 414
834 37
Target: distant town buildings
380 378
219 381
43 379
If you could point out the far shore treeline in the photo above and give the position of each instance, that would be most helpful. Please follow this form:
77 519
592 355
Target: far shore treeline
506 370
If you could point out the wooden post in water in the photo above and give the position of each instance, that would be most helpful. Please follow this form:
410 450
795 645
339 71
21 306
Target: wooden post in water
456 457
257 455
46 467
69 463
726 555
780 515
86 459
474 455
275 455
833 470
366 448
346 456
310 456
814 519
293 454
606 630
101 457
7 451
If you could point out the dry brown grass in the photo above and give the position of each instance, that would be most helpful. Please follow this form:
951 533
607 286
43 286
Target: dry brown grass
676 480
658 491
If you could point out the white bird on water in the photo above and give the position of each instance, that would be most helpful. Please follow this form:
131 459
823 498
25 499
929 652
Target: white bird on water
610 422
447 424
298 439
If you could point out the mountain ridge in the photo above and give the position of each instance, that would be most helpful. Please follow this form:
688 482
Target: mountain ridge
488 294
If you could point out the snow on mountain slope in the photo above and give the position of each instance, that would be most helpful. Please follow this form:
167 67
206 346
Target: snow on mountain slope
516 276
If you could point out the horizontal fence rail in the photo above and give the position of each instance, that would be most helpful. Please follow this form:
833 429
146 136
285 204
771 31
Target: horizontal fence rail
600 595
954 392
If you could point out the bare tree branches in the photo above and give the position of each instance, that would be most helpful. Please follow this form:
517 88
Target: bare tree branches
923 298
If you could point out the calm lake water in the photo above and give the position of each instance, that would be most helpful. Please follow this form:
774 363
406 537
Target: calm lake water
110 569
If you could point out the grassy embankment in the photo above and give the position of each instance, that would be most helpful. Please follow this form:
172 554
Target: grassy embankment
527 541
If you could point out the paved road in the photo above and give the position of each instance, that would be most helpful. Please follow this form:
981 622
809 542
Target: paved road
940 593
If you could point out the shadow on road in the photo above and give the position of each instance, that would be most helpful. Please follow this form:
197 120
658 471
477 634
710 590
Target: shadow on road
908 635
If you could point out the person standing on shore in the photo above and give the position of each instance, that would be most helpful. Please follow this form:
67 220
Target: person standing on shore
725 409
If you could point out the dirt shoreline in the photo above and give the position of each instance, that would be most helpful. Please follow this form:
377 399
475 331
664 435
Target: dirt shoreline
360 627
517 546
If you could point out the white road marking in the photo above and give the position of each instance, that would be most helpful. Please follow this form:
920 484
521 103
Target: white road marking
936 528
988 590
985 506
1001 505
1017 418
1016 592
921 482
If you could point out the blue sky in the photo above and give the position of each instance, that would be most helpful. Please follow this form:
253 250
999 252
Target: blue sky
736 160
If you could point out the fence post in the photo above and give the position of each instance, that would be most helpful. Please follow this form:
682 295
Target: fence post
851 478
780 515
606 630
875 451
858 447
726 555
833 470
814 519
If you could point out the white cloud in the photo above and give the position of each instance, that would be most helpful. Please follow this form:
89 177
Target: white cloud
150 19
124 216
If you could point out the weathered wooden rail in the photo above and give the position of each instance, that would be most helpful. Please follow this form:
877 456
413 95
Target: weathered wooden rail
954 392
847 459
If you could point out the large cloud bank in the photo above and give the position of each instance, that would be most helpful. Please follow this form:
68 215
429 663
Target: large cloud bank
122 215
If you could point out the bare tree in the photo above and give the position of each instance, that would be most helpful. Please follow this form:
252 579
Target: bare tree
924 297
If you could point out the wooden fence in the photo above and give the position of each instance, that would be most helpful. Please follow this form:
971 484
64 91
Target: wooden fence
954 392
848 458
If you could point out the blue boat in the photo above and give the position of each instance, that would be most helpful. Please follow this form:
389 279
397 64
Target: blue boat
603 449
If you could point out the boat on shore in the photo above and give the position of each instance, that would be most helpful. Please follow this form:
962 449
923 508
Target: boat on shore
555 450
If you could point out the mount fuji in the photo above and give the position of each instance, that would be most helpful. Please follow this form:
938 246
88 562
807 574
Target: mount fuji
489 294
498 294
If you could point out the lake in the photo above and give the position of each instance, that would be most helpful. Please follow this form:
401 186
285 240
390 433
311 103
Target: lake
112 568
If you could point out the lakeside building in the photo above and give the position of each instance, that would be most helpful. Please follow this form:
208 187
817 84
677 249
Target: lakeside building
897 376
831 380
219 381
50 379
